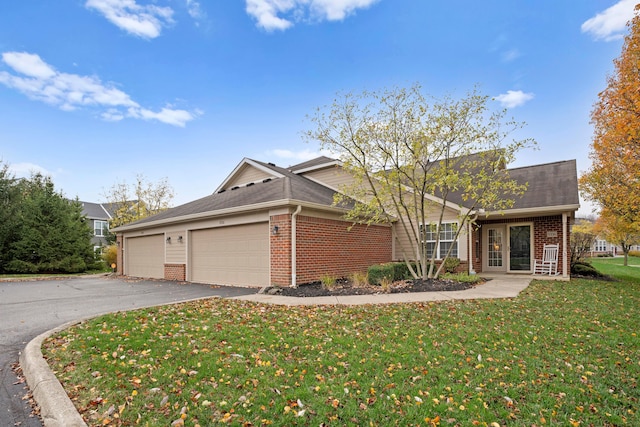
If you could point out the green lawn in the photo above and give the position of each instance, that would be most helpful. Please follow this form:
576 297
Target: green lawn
614 267
563 353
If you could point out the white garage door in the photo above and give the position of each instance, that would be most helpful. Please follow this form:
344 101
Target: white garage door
236 255
145 257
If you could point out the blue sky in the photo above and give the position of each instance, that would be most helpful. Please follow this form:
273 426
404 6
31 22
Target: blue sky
95 92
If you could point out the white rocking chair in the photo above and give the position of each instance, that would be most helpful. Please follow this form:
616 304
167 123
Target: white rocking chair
549 262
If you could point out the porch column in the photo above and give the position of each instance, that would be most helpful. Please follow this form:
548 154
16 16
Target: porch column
565 274
470 248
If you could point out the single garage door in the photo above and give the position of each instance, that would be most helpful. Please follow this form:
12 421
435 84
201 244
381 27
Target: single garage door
235 255
145 256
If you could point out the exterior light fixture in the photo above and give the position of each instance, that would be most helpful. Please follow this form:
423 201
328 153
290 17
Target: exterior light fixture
274 230
169 239
179 239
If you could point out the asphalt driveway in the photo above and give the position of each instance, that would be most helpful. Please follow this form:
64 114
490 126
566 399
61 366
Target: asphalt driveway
30 308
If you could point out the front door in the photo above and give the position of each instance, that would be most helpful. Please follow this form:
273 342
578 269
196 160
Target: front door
520 248
494 248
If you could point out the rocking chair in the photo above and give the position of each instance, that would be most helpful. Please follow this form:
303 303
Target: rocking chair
549 262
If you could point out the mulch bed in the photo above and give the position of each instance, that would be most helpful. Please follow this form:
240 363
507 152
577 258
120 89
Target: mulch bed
344 287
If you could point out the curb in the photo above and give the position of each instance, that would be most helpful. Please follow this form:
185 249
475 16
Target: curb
56 409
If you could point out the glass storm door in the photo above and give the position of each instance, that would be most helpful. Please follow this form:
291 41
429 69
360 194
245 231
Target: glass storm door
520 248
495 249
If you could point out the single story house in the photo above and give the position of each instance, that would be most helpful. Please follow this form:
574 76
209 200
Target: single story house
269 225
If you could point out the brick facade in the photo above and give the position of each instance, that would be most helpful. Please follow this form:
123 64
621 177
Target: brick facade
326 247
175 272
339 248
280 246
546 230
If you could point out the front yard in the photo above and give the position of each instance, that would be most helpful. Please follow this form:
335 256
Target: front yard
560 354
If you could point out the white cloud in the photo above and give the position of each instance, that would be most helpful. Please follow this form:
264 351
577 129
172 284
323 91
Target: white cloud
610 24
25 170
194 9
511 55
268 13
514 98
40 81
144 21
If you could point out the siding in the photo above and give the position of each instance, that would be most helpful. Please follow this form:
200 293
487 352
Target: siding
246 175
176 251
403 241
332 177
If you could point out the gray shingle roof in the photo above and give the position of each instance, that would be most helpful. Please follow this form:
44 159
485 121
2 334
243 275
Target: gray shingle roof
551 184
94 211
291 187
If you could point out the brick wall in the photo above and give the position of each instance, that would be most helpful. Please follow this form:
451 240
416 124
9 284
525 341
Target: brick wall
546 230
280 244
336 248
175 272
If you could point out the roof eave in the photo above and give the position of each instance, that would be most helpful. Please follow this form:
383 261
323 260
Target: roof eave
227 212
536 211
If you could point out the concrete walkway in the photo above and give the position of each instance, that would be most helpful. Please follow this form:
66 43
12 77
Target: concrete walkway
58 410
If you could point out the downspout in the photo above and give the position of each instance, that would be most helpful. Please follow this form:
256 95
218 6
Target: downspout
294 277
564 246
470 242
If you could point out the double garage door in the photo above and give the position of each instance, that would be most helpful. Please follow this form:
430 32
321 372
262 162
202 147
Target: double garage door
236 255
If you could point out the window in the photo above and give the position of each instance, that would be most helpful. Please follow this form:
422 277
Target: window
100 228
601 245
447 235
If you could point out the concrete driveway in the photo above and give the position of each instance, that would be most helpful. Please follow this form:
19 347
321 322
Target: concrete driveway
29 308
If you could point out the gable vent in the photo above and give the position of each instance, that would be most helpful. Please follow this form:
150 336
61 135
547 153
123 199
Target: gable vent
272 164
222 191
234 188
250 184
266 180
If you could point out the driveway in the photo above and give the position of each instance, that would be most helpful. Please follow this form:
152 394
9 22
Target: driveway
30 308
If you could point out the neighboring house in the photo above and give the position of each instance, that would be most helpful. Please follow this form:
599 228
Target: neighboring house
98 215
268 225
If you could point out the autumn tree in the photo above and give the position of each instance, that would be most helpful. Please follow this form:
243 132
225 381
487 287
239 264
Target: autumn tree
411 155
619 231
583 237
134 202
613 181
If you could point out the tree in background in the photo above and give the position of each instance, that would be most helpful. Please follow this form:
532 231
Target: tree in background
9 208
138 201
583 237
617 230
52 235
613 181
409 157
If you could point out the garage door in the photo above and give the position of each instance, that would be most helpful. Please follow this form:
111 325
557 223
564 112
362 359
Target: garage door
237 255
145 257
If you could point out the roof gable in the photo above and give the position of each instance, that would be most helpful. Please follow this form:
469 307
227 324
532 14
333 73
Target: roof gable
249 171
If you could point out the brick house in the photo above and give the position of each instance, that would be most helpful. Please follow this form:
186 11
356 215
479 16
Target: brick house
268 225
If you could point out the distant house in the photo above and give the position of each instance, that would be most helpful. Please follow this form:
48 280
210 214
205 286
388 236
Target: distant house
98 215
269 225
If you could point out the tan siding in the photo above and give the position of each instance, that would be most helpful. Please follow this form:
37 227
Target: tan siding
403 241
333 177
176 251
246 175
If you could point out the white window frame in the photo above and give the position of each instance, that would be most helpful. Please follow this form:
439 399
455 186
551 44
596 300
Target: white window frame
447 234
601 246
104 224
